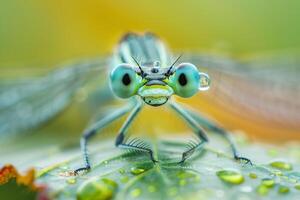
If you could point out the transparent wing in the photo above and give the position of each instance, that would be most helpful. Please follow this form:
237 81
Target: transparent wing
266 87
29 102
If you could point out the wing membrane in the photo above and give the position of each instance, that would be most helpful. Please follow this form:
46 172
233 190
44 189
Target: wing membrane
27 103
266 87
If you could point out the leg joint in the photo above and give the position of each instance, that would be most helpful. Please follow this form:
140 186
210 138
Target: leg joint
119 139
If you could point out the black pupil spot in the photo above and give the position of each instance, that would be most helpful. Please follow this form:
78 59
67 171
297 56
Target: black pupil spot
182 80
126 79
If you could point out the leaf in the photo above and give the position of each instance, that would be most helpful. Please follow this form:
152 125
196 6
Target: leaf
209 174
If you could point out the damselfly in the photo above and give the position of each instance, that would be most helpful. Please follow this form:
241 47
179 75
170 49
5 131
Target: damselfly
145 72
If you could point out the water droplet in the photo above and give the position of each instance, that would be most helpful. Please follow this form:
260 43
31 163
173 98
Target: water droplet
105 162
136 170
283 189
71 180
121 171
172 191
262 190
281 165
278 173
268 182
252 175
297 186
229 176
136 192
151 188
100 189
204 81
184 174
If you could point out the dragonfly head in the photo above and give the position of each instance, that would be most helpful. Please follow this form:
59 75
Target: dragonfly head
155 85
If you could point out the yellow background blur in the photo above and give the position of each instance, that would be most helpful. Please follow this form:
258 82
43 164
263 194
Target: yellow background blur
35 33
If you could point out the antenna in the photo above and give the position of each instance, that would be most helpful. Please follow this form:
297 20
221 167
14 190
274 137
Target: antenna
171 67
142 72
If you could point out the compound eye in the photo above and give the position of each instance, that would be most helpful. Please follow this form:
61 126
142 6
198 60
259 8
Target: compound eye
125 81
186 80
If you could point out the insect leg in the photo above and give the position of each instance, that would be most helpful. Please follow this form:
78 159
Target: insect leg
198 130
90 132
219 130
134 144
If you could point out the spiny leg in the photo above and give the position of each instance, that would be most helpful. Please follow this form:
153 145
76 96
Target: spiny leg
200 132
135 144
217 129
90 132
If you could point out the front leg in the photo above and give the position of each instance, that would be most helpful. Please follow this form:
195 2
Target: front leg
221 131
199 131
135 144
90 132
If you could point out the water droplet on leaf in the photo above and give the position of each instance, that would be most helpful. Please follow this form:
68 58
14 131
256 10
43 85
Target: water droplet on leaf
252 175
268 182
136 192
283 189
100 189
262 190
230 176
136 170
105 162
297 186
281 165
71 181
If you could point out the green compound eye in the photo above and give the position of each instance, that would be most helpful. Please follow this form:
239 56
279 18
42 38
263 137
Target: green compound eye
187 80
124 81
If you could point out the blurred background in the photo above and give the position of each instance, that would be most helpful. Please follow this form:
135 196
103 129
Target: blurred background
37 35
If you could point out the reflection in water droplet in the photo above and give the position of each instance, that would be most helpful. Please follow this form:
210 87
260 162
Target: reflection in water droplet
283 189
281 165
229 176
71 180
136 170
204 81
268 182
151 188
100 189
252 175
136 192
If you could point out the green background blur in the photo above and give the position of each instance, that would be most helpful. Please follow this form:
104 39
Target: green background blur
39 34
